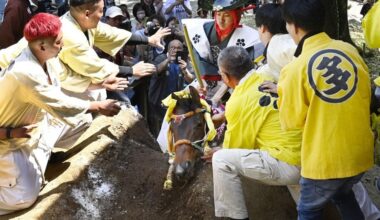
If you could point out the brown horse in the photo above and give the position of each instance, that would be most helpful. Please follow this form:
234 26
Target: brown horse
189 129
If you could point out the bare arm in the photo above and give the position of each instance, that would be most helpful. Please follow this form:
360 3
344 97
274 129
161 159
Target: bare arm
163 66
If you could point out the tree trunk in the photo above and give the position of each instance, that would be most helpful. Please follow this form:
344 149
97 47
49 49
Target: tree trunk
336 20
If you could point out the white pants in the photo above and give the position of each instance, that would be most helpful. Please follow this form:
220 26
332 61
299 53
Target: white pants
229 164
22 171
22 184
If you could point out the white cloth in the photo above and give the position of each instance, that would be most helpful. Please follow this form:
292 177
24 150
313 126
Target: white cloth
280 52
22 166
26 169
162 138
228 164
26 92
244 36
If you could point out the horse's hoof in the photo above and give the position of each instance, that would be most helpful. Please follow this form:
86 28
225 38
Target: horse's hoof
168 185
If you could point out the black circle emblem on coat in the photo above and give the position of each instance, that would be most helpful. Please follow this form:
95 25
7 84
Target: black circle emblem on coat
264 101
332 75
275 106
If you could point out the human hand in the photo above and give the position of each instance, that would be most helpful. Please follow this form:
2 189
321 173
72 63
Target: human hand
22 132
155 39
113 83
268 86
218 119
178 32
202 90
182 64
108 107
208 157
141 69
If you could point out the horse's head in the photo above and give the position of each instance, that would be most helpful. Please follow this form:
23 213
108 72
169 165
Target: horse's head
188 127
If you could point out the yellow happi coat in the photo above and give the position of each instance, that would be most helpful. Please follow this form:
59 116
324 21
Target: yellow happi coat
253 122
83 65
371 25
326 92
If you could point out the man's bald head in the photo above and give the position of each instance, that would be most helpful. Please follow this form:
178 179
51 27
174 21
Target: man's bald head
176 44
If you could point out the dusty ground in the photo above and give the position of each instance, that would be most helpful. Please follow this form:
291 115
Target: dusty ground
118 175
123 179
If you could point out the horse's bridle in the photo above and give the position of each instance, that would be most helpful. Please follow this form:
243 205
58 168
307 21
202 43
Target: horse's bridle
195 144
201 145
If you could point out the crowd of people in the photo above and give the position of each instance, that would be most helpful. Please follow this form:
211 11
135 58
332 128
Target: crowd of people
295 104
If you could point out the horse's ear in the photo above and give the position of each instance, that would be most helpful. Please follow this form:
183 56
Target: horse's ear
194 94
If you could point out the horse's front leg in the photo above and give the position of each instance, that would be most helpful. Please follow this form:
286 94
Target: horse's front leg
168 184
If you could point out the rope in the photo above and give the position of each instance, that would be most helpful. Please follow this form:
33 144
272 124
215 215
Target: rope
179 119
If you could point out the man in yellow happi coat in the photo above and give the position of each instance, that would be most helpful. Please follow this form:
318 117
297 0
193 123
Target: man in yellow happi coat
326 92
266 153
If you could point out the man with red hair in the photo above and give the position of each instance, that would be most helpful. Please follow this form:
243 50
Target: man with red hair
29 85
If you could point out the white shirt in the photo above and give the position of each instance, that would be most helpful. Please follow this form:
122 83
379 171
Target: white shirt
26 91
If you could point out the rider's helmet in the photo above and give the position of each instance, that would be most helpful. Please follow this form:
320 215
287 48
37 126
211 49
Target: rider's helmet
222 5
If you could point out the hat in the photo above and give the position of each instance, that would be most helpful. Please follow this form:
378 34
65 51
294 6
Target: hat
114 11
280 52
222 5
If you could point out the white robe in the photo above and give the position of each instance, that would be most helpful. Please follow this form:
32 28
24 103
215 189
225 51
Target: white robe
26 97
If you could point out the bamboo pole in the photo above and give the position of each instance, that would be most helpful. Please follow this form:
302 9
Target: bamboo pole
192 58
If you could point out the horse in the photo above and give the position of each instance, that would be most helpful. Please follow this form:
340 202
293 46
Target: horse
188 136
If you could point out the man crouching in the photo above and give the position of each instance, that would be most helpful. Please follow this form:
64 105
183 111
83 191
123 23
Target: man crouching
28 86
254 144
